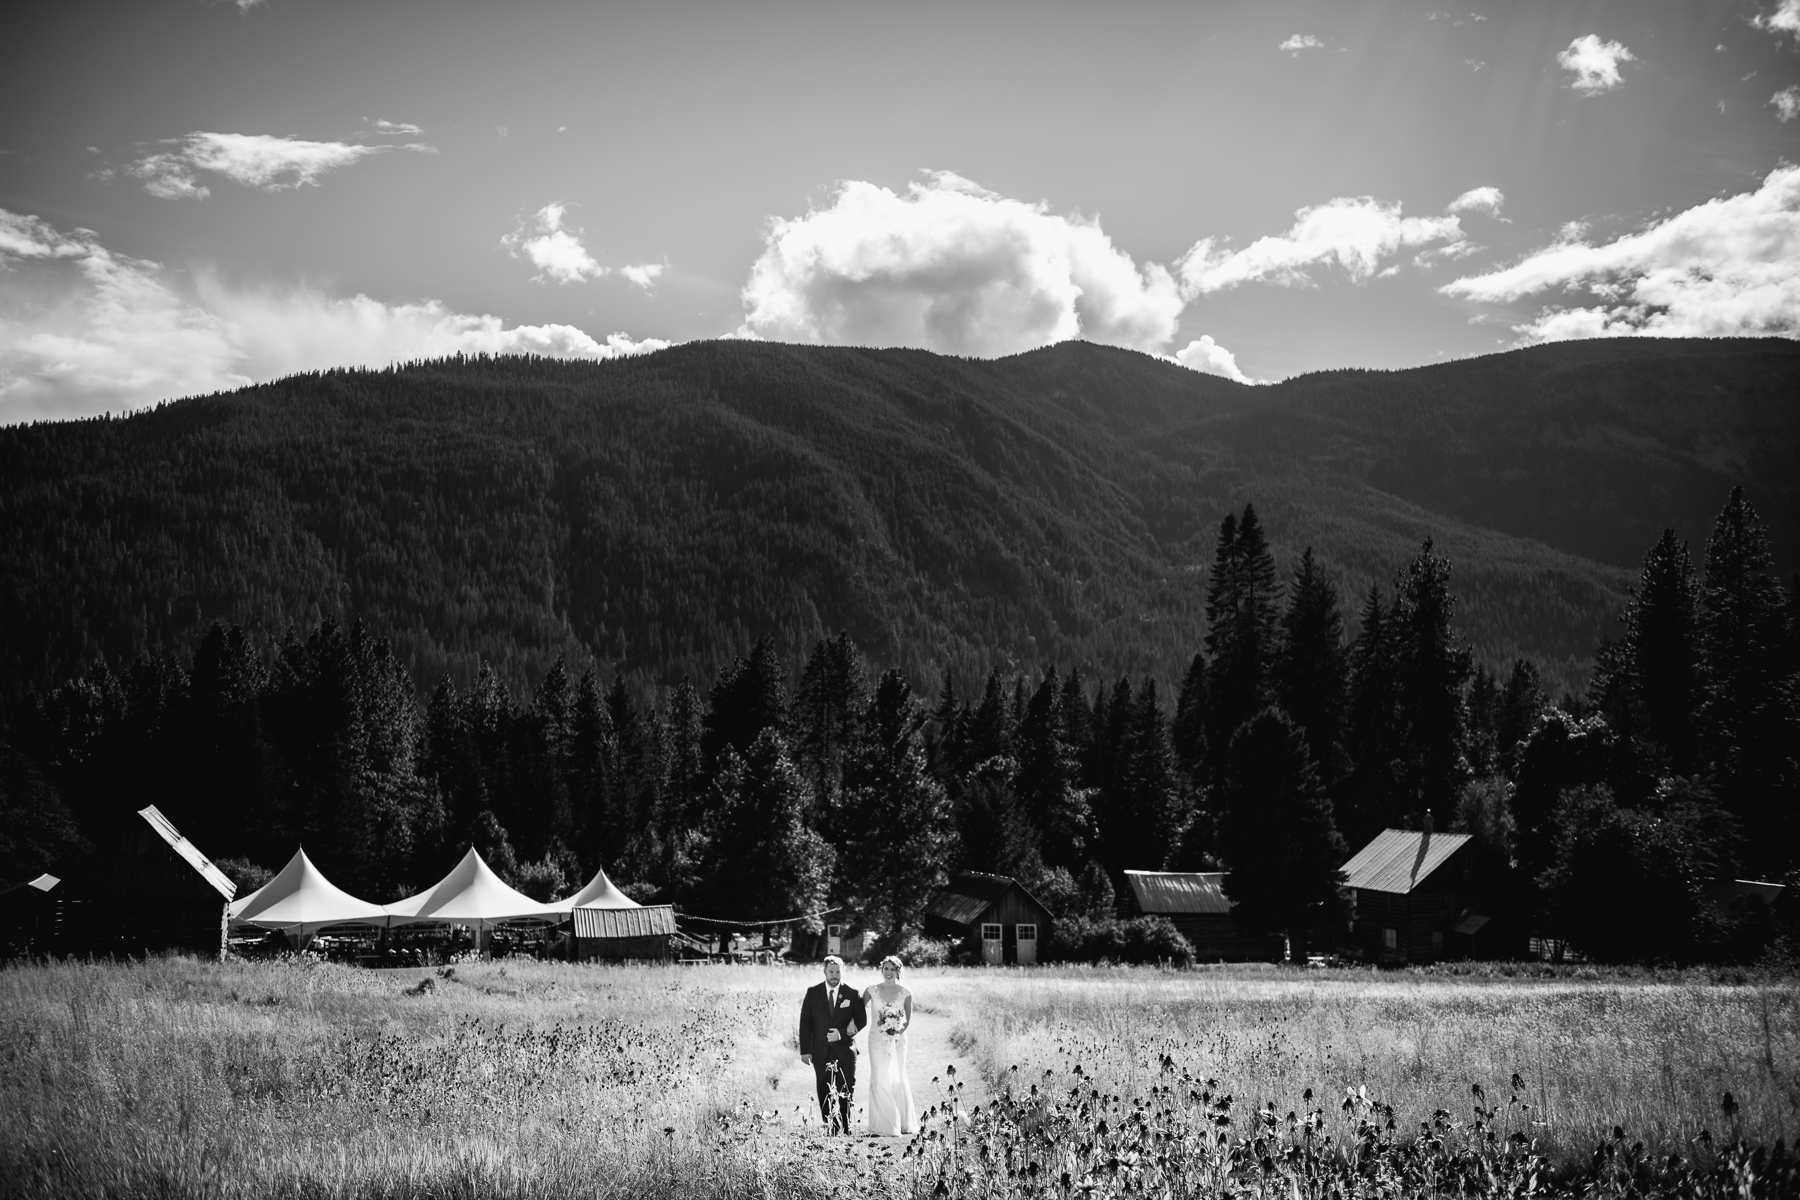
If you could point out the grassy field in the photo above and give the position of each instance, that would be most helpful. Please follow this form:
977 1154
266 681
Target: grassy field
174 1077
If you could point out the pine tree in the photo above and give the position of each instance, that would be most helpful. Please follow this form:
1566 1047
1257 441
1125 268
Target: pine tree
1188 733
1312 669
1048 769
593 768
1370 791
1242 629
746 699
1750 709
765 863
1431 668
1521 703
832 693
993 834
897 818
945 743
1648 682
990 730
1278 837
1148 823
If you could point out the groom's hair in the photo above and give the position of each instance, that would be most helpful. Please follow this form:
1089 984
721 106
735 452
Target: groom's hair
832 958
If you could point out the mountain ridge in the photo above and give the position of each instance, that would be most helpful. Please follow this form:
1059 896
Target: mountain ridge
659 513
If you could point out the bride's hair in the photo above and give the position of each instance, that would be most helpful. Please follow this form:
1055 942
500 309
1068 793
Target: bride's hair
893 960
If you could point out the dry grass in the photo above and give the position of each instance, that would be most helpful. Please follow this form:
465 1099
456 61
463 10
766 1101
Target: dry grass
180 1078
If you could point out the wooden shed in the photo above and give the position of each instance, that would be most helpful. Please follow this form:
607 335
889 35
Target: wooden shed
1421 897
990 916
145 890
615 934
1196 904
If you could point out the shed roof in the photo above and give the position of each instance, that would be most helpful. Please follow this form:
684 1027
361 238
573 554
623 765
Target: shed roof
1399 860
166 830
971 893
643 921
1162 893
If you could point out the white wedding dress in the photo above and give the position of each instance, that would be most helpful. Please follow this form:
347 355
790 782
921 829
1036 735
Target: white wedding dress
890 1092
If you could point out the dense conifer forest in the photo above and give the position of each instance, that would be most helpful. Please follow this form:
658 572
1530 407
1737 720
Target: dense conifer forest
659 515
762 629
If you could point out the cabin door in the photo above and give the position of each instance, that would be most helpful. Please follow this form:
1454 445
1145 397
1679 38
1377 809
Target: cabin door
1027 940
993 949
834 939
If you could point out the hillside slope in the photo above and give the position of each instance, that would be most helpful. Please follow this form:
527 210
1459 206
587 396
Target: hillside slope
660 513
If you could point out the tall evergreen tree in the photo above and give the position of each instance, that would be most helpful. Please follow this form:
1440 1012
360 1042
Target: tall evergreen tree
765 863
1277 835
1431 668
990 729
746 699
1047 781
1311 668
1146 818
827 705
593 769
1242 629
1521 703
945 741
1750 710
1369 794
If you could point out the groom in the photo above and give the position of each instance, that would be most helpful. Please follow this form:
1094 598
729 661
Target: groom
830 1016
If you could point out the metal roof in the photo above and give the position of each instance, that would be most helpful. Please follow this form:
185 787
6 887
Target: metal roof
1398 860
646 921
168 833
1160 893
971 893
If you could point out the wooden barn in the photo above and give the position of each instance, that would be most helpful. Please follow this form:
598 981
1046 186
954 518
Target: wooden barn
1421 897
616 934
991 916
145 890
1196 904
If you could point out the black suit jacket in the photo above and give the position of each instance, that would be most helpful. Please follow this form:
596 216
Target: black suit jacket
816 1016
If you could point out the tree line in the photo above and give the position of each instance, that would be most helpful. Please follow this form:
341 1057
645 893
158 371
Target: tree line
1289 742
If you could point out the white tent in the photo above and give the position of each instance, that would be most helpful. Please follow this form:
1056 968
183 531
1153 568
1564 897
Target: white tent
599 893
471 894
300 900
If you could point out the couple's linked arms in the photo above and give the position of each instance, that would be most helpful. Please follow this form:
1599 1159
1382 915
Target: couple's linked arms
831 1035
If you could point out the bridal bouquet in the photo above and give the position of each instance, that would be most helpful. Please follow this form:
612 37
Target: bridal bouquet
892 1021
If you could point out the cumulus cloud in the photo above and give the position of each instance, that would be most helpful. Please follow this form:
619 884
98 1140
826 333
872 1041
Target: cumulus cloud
1354 232
555 251
949 266
1479 199
1728 267
644 275
1785 18
1595 64
1209 358
255 160
1787 103
84 329
1299 43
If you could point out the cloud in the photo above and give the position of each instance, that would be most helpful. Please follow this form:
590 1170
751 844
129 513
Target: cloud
556 252
1785 19
1355 232
1479 199
644 275
949 266
397 128
1301 42
1210 358
255 160
1787 103
1595 63
84 329
1728 267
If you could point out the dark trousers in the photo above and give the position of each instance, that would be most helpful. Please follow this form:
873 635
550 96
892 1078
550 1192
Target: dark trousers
835 1070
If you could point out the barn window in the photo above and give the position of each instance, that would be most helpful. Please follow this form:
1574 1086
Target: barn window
990 933
1028 933
835 931
1390 937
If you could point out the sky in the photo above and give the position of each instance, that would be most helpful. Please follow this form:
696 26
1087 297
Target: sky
194 195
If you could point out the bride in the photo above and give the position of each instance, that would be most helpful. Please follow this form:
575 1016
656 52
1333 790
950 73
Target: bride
890 1094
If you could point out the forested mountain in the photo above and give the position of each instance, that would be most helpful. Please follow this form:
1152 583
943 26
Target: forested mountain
657 515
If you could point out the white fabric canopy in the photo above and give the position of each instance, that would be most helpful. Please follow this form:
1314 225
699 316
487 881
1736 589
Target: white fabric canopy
301 899
471 894
599 893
